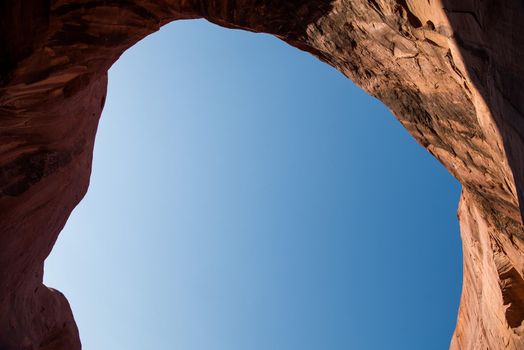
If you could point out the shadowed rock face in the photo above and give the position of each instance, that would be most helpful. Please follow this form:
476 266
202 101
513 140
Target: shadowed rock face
450 71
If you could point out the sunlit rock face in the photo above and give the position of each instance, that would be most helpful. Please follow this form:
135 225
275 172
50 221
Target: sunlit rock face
450 71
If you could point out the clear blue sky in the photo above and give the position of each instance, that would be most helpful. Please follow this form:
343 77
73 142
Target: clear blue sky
245 196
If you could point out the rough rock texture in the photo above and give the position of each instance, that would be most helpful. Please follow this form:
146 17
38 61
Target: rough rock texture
449 70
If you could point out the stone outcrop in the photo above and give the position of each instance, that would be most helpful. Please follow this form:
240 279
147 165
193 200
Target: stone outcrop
450 71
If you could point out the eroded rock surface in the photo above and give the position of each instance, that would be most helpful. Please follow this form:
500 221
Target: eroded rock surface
450 71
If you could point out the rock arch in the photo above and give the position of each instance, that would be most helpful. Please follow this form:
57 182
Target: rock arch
449 72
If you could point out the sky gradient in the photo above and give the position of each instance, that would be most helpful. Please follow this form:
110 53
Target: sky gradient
245 195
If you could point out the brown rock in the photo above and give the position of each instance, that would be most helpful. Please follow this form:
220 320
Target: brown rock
450 71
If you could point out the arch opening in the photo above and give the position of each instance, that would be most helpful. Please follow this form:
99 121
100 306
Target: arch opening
306 161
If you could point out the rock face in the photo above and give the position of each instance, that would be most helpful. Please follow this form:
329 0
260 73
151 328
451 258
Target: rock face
450 71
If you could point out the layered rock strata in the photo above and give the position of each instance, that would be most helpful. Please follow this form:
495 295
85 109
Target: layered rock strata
450 71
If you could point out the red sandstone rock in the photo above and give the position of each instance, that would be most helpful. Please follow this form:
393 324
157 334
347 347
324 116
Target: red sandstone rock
450 71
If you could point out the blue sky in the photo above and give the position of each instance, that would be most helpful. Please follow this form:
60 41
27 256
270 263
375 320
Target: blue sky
245 195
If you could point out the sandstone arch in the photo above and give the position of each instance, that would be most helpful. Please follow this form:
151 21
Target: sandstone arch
450 73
